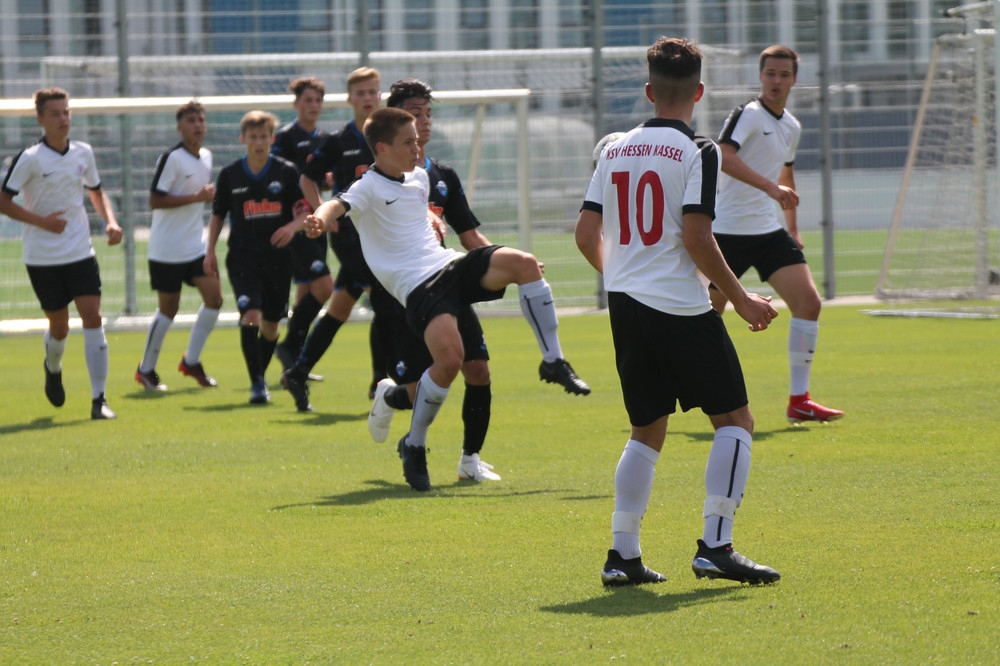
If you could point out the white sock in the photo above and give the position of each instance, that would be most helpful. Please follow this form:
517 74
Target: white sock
633 485
426 405
95 349
154 341
54 350
725 481
539 310
802 335
203 325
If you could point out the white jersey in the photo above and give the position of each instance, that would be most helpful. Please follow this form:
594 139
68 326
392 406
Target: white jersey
177 234
765 142
54 181
643 185
397 239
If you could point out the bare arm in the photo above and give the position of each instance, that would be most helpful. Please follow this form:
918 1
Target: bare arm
102 204
787 179
472 239
700 243
590 238
325 218
211 263
735 167
310 190
53 222
161 200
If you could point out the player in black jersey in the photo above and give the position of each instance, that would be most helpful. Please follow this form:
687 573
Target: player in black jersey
407 355
346 155
261 195
296 142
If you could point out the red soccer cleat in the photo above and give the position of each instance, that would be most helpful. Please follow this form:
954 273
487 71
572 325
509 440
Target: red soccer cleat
801 408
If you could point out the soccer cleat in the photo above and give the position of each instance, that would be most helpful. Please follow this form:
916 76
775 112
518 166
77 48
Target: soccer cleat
99 409
618 571
724 562
561 372
197 372
295 384
380 417
414 465
53 387
471 468
149 380
801 408
259 395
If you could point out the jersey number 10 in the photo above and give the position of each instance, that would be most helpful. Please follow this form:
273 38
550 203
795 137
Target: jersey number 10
649 183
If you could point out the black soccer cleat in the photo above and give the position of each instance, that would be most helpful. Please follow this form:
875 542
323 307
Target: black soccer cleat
724 562
414 465
295 384
561 372
99 409
618 572
53 387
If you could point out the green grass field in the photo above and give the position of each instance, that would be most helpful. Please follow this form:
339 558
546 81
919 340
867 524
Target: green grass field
198 529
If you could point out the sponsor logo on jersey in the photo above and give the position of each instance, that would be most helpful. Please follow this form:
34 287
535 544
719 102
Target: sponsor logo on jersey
265 208
645 150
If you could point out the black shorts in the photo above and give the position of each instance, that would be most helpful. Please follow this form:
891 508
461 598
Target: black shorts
664 359
451 289
354 274
308 258
407 355
57 286
169 278
766 252
261 282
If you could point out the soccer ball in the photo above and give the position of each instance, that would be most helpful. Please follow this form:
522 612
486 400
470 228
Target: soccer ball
608 138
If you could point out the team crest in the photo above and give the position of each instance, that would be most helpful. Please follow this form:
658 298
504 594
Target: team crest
275 186
442 188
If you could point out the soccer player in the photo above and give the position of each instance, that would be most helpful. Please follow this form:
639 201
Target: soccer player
261 195
409 357
758 143
346 154
389 203
182 185
53 174
646 224
296 142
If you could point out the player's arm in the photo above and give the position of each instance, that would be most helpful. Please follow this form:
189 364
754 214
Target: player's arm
325 218
53 222
102 204
310 190
590 238
734 166
472 239
698 240
163 200
787 179
211 263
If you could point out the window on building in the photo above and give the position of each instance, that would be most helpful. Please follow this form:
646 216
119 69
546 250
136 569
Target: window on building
572 20
315 26
32 31
418 24
900 33
524 24
761 24
714 22
806 35
92 28
854 19
473 24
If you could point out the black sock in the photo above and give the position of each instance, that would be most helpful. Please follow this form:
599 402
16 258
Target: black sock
266 352
398 398
317 343
302 318
249 336
476 417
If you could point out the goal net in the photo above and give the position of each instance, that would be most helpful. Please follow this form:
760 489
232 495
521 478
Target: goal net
943 239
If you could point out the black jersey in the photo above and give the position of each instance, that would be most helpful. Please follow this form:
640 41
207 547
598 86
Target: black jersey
447 196
345 153
297 145
257 204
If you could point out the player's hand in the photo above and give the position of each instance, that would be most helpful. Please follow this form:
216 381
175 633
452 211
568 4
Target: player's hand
440 230
114 233
210 265
786 197
54 222
756 310
284 235
797 238
206 194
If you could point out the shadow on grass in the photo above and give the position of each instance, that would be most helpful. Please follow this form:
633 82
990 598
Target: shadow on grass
707 435
380 489
41 423
625 601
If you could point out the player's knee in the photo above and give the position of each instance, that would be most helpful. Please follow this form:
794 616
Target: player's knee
476 373
526 268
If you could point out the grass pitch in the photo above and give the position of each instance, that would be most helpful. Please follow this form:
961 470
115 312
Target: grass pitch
197 528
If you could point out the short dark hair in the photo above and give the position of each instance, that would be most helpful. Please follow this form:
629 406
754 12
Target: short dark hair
45 94
779 51
384 124
194 106
674 68
407 89
299 86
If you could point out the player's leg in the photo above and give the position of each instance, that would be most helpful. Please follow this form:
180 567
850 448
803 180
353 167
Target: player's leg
168 302
50 284
95 346
190 365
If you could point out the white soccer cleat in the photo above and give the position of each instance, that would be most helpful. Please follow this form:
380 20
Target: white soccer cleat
380 417
471 468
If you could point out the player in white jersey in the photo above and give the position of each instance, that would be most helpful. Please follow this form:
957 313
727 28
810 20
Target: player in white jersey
389 205
53 175
646 224
758 144
182 185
